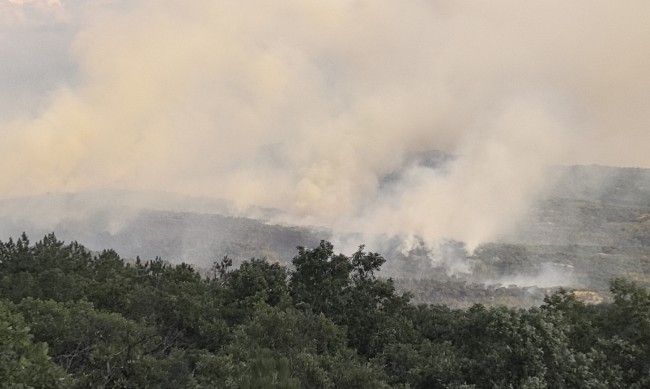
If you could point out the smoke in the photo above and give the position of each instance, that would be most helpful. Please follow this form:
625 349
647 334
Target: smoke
550 275
307 106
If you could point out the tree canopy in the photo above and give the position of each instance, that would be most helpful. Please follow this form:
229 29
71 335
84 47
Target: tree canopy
70 318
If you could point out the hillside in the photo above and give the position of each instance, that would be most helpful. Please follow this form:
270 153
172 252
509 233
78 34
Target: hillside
174 227
596 221
591 226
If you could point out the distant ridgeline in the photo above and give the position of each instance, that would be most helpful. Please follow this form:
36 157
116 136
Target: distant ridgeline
591 226
73 319
174 227
595 222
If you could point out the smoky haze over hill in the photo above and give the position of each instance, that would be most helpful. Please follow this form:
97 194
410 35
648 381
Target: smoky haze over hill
592 225
316 113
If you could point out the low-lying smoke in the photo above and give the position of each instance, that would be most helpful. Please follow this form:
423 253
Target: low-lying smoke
306 106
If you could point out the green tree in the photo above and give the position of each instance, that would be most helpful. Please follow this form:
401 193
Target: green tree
102 349
625 337
347 291
255 282
269 372
320 280
23 363
47 269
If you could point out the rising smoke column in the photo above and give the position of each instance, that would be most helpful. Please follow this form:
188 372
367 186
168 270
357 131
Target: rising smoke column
305 106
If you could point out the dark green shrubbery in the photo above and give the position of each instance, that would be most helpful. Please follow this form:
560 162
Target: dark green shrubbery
72 319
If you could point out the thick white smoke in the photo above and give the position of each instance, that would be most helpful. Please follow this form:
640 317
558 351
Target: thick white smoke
306 106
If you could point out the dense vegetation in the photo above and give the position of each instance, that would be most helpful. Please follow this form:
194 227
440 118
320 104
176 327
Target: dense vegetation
590 226
69 318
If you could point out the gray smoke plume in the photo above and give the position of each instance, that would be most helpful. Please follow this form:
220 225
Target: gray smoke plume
307 106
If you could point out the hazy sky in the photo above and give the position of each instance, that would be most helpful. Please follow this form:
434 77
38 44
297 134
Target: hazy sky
305 105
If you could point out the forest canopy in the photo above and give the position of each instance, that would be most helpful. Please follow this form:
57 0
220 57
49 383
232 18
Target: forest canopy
70 318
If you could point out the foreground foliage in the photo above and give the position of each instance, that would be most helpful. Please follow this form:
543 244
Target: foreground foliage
72 319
